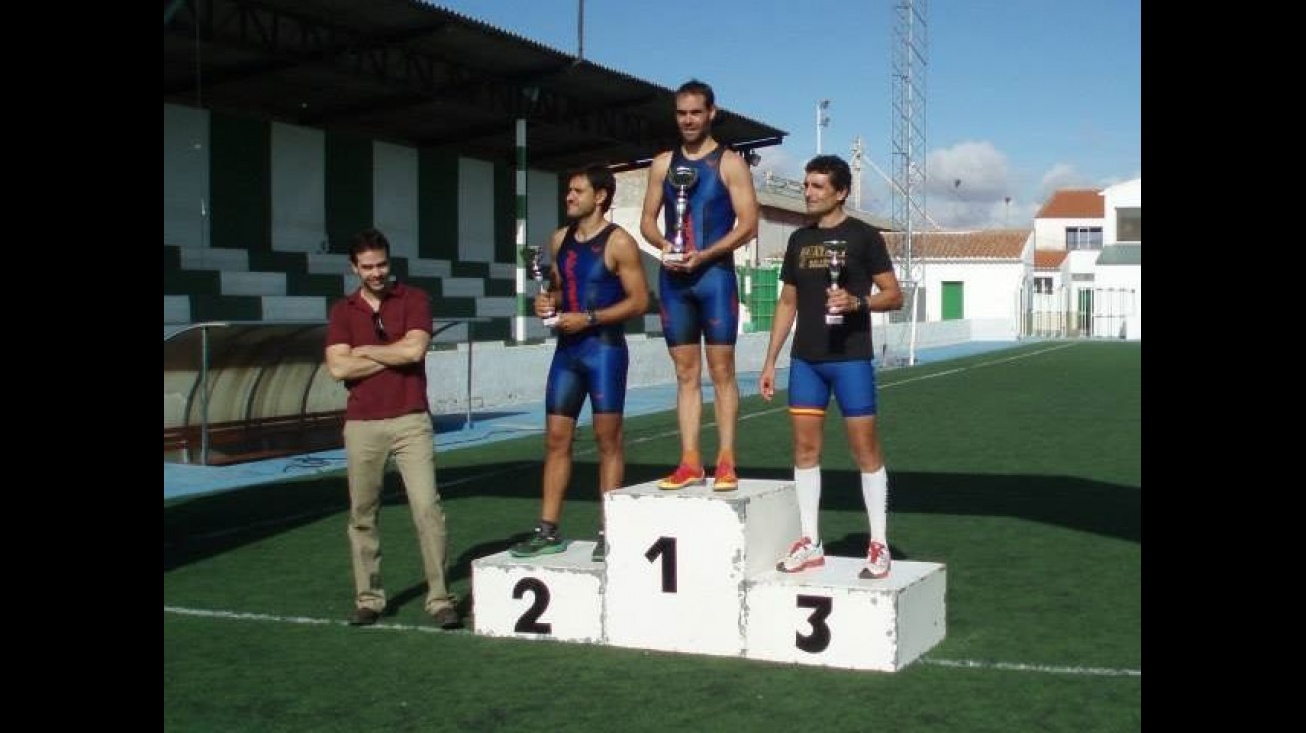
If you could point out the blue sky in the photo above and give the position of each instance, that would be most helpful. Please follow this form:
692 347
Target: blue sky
1022 96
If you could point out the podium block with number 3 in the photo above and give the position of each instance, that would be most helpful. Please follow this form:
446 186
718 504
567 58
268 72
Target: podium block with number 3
827 616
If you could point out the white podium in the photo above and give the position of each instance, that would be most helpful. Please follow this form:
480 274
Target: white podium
556 596
693 570
678 560
830 617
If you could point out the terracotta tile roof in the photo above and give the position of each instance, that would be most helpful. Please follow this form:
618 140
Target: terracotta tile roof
1049 259
986 244
1074 203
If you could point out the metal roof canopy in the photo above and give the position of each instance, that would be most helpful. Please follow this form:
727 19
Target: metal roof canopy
405 72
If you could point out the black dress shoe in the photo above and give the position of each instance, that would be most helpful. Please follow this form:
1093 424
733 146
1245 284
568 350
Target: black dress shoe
364 617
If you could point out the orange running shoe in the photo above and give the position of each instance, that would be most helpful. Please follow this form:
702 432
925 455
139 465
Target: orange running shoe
684 476
725 478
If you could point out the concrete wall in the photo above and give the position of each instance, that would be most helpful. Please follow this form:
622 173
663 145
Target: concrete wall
298 179
185 176
503 374
299 189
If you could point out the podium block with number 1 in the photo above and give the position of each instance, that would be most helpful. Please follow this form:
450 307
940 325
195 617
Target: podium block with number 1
678 562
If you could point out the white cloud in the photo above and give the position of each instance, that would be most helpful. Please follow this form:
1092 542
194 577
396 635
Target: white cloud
970 185
975 171
1061 175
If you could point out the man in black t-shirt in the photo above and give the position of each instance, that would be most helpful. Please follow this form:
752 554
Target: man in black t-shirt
833 354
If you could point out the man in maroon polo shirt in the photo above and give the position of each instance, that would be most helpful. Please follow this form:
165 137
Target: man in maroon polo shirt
376 344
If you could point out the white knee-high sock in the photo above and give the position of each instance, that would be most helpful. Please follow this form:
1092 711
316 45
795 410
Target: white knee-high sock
807 484
875 491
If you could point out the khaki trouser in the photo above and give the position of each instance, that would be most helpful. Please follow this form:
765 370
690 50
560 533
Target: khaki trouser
411 440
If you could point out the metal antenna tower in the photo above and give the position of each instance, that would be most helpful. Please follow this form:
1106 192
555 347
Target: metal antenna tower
910 56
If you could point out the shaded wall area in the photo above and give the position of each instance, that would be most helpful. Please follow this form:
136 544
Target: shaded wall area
235 392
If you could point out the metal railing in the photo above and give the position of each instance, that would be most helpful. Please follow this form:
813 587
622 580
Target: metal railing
470 340
1076 312
194 395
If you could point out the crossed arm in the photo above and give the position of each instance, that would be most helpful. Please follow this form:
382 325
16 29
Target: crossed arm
347 363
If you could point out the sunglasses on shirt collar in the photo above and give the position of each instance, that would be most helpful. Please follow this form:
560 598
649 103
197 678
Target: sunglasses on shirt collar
379 326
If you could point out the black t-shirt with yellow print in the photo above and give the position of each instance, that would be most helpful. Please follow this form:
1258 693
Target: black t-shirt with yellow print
806 267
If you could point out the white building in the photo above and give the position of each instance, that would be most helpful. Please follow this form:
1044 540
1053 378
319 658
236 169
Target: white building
1120 266
1087 279
975 276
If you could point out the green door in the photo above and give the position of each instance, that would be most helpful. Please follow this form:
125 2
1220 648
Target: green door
954 301
1085 312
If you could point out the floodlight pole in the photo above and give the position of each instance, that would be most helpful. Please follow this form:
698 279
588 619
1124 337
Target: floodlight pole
822 120
523 304
580 30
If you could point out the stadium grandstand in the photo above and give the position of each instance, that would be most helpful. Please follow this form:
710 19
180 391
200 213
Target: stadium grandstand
291 124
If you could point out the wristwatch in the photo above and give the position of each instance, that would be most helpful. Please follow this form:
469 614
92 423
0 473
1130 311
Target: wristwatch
591 317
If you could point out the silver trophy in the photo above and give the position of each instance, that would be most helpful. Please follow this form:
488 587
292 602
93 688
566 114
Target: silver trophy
534 255
682 178
837 250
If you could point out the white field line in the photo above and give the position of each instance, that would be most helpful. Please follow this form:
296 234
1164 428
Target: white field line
1043 668
955 663
301 620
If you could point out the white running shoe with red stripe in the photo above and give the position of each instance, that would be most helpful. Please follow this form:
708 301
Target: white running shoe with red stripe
877 562
802 555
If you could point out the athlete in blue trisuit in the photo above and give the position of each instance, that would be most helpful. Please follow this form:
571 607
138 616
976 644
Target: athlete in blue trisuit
599 283
699 294
832 358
